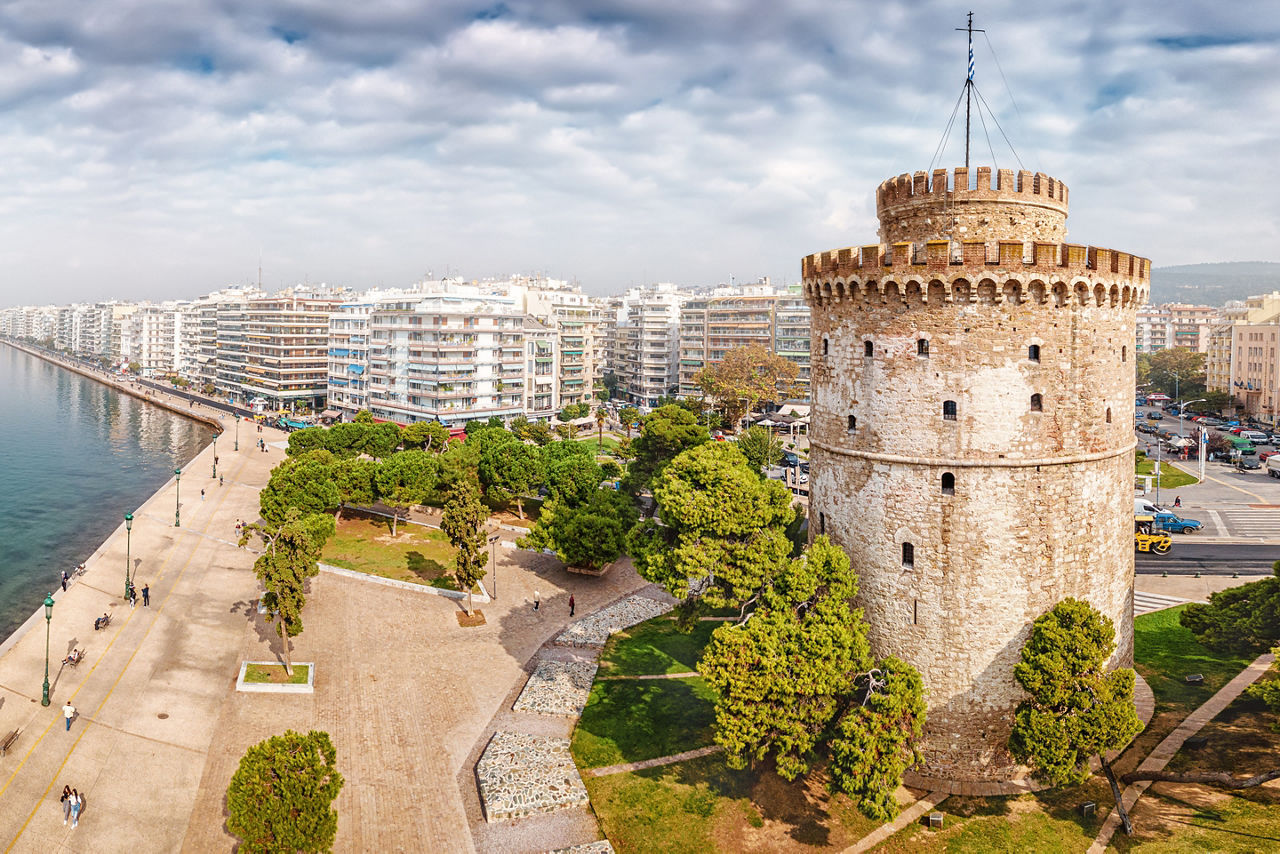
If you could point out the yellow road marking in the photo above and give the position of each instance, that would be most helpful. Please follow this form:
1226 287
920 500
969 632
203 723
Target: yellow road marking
111 690
1208 476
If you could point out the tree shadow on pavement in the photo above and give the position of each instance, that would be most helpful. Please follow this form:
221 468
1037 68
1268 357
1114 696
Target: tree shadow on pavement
265 631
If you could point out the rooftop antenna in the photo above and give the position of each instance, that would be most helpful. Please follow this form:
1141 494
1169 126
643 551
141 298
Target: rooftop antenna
259 269
968 86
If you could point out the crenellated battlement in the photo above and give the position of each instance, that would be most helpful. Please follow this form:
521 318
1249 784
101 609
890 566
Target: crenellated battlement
975 184
1050 259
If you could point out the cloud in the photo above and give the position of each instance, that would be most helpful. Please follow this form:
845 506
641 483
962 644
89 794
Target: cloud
162 145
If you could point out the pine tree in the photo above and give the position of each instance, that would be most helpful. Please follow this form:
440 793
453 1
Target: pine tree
281 796
463 523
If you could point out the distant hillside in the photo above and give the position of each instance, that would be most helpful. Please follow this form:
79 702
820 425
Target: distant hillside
1214 284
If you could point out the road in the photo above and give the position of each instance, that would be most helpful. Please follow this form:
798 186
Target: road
1210 559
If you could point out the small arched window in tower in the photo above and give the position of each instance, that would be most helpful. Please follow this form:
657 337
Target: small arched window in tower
853 423
908 556
922 346
868 349
1108 414
948 483
822 523
949 410
1124 354
1033 353
826 346
1037 403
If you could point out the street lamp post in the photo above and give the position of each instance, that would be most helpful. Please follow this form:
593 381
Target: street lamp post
493 539
237 447
215 455
128 552
48 618
177 498
1182 407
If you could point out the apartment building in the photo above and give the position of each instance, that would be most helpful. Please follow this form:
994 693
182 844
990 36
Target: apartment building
730 318
348 383
1242 355
646 343
1175 325
152 337
454 357
576 319
274 348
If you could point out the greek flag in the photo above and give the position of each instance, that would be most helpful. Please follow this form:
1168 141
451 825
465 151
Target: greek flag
970 60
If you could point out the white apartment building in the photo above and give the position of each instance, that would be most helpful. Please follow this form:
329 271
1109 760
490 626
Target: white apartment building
1243 355
1175 325
348 391
152 336
576 319
646 339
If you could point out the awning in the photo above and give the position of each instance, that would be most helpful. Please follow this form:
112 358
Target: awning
331 413
355 369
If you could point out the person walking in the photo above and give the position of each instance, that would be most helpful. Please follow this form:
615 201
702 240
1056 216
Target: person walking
65 800
68 712
202 495
146 595
65 577
571 605
133 596
537 599
77 803
219 480
1177 501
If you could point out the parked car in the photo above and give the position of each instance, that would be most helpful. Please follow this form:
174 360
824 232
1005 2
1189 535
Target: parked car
790 459
1176 524
1263 455
1248 464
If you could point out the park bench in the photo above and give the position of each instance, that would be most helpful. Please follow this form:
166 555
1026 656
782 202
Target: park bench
74 657
102 622
7 742
1195 678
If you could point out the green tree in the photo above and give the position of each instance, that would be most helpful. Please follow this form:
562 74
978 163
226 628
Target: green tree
760 447
134 367
291 557
601 417
722 532
306 439
382 440
1075 709
281 797
1176 371
746 377
364 416
573 479
875 740
666 433
539 432
405 479
426 436
304 483
629 415
463 523
1244 619
346 439
591 535
510 471
354 480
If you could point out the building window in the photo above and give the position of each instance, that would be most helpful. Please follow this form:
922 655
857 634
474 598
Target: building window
948 483
853 423
1108 414
922 346
908 555
822 523
915 612
868 349
1124 354
1037 403
1033 352
949 410
826 346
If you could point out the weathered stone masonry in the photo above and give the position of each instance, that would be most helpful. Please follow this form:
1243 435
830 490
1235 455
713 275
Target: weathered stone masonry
972 437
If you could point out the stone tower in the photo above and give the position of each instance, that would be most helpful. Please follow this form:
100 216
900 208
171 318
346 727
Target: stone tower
972 437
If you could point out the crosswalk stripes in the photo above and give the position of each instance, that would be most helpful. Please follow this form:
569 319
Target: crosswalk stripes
1145 603
1251 523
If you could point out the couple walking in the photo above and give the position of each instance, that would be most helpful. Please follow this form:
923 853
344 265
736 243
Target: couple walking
72 803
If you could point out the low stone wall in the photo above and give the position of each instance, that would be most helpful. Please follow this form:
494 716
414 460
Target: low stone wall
522 775
593 631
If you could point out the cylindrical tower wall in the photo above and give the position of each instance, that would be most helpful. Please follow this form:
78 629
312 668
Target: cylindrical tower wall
972 452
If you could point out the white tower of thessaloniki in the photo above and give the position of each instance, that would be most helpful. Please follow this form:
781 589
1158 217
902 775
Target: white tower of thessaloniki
972 438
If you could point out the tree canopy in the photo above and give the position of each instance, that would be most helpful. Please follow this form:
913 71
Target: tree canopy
745 377
426 436
1244 619
760 447
463 523
590 534
509 471
381 440
354 480
1176 371
722 528
281 796
406 478
304 482
573 479
667 432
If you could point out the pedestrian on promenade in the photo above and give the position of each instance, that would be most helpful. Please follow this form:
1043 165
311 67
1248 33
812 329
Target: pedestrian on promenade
1177 501
65 800
571 605
69 712
537 599
219 480
133 596
202 495
146 595
64 580
77 804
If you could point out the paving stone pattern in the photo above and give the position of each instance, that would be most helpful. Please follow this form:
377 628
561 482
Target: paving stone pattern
594 630
601 847
557 688
522 775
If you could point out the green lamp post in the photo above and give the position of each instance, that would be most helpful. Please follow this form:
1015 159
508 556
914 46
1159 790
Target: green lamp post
177 498
128 552
237 447
48 618
215 455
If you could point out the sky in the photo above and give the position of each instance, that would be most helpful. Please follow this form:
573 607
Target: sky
154 150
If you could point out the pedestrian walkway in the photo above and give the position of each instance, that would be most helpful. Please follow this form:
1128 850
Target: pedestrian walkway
908 816
1172 743
1145 603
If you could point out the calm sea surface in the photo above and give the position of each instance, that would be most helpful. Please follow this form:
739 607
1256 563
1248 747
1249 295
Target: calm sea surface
74 457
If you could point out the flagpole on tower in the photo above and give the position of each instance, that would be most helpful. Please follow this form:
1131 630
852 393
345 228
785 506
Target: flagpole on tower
968 86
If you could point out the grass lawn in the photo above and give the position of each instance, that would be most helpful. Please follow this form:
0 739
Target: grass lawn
610 443
626 721
275 673
417 554
1170 477
701 805
1044 824
1165 653
655 646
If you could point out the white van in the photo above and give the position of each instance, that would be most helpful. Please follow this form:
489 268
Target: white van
1255 437
1143 507
1273 465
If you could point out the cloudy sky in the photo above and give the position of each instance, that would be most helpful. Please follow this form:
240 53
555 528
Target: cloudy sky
154 148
